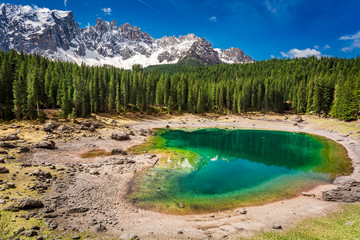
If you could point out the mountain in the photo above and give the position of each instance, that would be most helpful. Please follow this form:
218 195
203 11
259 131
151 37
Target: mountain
56 35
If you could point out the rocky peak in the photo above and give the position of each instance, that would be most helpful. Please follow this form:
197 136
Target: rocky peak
56 35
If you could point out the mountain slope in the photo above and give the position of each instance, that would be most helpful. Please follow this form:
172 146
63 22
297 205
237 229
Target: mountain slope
56 35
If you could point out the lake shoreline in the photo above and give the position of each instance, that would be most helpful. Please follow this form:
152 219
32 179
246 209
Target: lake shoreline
108 205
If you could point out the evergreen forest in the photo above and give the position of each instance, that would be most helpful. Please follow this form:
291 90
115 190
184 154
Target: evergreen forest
325 86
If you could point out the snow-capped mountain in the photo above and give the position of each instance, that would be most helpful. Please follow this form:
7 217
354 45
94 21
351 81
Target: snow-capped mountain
56 35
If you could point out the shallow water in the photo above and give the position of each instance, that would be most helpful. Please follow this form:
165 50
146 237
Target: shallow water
218 169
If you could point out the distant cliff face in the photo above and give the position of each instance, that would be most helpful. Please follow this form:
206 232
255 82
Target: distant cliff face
56 35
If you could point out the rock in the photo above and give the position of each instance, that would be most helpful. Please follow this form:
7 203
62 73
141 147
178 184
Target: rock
118 152
344 181
342 194
11 185
11 137
78 210
49 127
40 174
51 225
298 119
3 169
24 150
243 211
3 152
12 208
307 194
146 132
276 226
100 228
63 128
46 145
180 232
20 230
40 238
120 136
30 233
75 237
94 172
29 203
7 145
35 227
92 128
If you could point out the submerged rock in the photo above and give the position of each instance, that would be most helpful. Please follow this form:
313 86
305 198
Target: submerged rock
181 205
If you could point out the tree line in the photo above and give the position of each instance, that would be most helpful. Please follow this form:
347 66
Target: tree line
326 86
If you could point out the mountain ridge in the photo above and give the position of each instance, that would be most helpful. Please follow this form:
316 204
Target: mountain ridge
56 35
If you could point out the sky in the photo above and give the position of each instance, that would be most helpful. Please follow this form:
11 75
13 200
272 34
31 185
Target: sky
263 29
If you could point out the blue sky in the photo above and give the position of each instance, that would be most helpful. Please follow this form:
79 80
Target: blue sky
262 28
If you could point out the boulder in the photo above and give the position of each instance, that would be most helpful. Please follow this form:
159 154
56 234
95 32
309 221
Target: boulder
3 170
63 128
30 233
7 145
11 137
342 194
24 150
298 119
146 132
120 136
49 127
118 152
345 181
29 203
46 144
276 226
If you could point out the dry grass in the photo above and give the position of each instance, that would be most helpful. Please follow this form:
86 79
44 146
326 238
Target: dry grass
95 153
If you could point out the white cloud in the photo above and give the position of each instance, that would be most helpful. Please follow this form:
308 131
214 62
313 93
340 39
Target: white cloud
107 11
296 53
270 6
327 46
65 3
88 25
213 19
272 56
351 37
316 47
355 42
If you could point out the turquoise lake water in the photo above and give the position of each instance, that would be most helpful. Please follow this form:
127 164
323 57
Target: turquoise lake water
217 169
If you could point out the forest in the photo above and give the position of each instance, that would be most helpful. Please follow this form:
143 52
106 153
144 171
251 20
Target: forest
328 86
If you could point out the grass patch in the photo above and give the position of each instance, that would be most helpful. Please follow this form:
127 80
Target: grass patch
343 224
95 153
